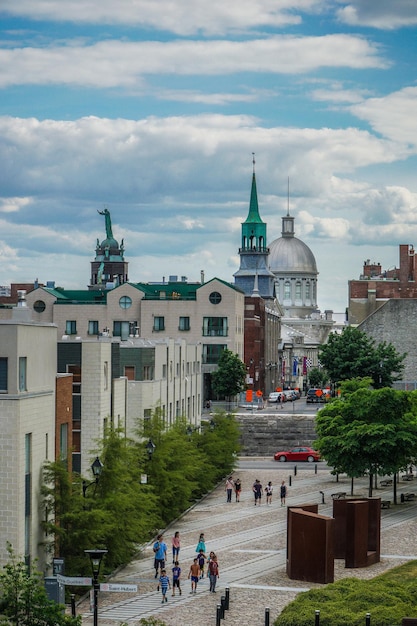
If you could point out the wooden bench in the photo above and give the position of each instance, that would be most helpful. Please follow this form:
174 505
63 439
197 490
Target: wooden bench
386 483
385 504
339 495
409 496
408 477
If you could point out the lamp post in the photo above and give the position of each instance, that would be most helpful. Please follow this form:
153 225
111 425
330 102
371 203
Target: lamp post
96 468
96 557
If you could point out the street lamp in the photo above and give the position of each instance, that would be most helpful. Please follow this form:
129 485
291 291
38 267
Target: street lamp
150 449
96 468
95 558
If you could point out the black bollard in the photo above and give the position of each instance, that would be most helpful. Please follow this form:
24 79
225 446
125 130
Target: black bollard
218 615
227 596
368 619
266 617
222 603
289 480
73 605
295 470
322 497
317 618
315 468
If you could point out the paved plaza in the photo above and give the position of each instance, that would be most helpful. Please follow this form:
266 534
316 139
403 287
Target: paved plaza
250 543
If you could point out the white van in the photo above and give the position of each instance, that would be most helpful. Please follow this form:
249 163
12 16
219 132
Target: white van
274 396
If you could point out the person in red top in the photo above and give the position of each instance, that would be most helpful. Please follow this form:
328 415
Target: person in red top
213 571
176 545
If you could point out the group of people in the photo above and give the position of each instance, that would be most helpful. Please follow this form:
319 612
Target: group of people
236 486
197 568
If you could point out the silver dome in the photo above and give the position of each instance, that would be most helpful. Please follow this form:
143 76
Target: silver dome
289 254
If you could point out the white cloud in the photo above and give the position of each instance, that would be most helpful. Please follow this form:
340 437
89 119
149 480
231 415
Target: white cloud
393 116
13 205
117 63
183 17
384 14
347 96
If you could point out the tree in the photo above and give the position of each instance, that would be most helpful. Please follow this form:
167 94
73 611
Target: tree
229 378
353 354
368 431
24 601
317 377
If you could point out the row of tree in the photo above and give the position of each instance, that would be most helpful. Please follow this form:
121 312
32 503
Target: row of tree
121 511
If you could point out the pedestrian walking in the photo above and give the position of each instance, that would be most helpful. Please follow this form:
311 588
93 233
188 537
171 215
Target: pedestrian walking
201 544
160 552
283 492
238 489
257 490
164 584
193 574
213 572
229 488
176 545
176 578
268 490
201 561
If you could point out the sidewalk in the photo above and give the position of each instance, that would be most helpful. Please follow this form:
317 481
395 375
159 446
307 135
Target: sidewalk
250 543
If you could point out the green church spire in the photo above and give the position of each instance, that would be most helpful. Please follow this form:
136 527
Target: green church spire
253 228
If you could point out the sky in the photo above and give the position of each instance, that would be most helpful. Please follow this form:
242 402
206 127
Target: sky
154 109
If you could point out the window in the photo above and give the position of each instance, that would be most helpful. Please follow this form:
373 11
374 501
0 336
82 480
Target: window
22 373
307 291
125 302
75 370
39 306
147 372
121 329
211 353
71 327
287 290
3 374
93 327
298 290
164 370
215 327
63 443
184 323
106 374
158 323
215 297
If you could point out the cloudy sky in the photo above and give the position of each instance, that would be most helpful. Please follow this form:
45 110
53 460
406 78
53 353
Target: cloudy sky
154 108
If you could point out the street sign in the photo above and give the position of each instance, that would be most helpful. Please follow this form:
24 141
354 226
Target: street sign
77 581
120 587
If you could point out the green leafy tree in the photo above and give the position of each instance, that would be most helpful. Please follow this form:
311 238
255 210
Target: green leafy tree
229 378
220 441
317 377
24 601
118 513
353 354
368 431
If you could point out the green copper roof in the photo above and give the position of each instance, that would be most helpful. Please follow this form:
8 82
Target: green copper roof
253 215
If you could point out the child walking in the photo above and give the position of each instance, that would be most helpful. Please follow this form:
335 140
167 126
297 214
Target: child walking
201 544
164 584
176 578
268 490
201 562
194 575
176 545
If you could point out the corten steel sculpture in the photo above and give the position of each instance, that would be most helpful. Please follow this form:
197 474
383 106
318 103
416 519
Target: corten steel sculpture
357 531
310 538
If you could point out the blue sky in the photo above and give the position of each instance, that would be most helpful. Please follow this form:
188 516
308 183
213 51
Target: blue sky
154 108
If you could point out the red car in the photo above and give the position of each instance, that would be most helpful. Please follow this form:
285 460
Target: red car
301 453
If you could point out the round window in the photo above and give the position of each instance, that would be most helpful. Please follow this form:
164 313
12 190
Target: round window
39 306
125 302
215 297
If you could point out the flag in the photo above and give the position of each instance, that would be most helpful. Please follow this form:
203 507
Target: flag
309 362
319 363
283 369
294 366
304 365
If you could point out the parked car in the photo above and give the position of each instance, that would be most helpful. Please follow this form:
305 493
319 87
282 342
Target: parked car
276 396
315 395
300 453
291 394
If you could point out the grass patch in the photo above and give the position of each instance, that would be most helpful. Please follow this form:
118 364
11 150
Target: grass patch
388 598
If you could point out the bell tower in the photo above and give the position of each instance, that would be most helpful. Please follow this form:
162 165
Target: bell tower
254 252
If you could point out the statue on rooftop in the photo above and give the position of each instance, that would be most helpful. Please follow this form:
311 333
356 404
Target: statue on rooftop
106 213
